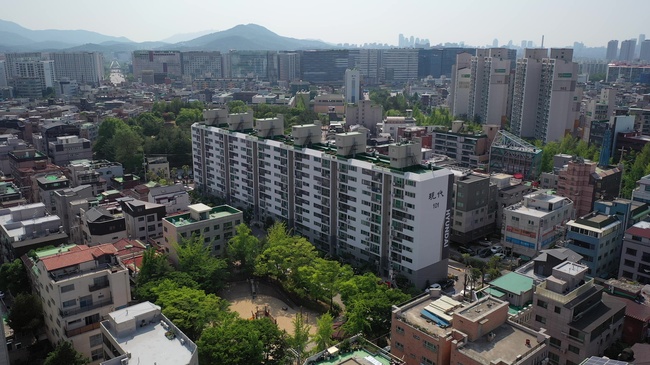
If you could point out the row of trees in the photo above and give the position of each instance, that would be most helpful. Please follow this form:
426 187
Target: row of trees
636 166
126 141
395 104
568 145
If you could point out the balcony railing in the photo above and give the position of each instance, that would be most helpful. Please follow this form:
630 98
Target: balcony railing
564 298
71 312
80 330
98 286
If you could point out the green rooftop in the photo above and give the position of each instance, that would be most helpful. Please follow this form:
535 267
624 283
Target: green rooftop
513 282
53 251
221 211
348 358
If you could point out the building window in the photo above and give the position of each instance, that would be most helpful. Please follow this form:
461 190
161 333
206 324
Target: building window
574 349
541 303
67 288
540 319
430 346
97 354
558 309
555 342
426 361
150 218
216 226
630 251
69 303
95 340
399 330
399 346
628 263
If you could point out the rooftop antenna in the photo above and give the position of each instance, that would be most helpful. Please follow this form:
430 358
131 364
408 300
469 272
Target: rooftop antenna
542 41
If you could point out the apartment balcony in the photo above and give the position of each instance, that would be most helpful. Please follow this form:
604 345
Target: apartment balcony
100 286
80 330
82 309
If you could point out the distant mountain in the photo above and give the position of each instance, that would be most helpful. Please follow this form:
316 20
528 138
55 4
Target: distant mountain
184 37
14 36
249 37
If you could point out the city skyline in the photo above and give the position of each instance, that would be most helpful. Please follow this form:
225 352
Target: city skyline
347 22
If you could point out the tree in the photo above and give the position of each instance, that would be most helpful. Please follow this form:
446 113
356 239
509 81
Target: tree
324 332
324 277
243 249
13 278
128 148
154 266
243 342
26 315
191 310
298 341
237 106
65 354
195 258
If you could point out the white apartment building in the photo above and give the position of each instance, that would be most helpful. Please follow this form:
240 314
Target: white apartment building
460 85
143 219
352 86
83 67
635 254
79 286
389 212
139 334
536 223
106 169
642 192
364 113
216 225
102 224
544 97
489 85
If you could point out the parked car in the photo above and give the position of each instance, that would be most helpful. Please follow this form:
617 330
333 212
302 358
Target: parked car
467 250
496 249
500 255
486 252
447 283
435 286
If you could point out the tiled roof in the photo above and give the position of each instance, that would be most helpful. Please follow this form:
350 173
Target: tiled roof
77 255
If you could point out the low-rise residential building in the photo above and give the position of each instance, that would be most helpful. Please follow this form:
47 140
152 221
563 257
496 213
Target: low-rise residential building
364 113
435 329
106 169
47 185
510 191
69 148
174 197
474 209
127 181
536 223
391 125
28 227
642 192
581 320
469 149
79 285
142 334
24 165
359 351
215 224
637 308
514 288
10 195
143 219
596 237
635 254
62 202
102 224
158 166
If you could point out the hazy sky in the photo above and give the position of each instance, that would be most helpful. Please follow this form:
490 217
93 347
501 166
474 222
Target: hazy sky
593 22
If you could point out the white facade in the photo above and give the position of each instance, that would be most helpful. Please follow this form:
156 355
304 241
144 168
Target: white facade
395 219
174 197
489 85
461 82
83 67
536 223
139 333
79 286
352 86
543 104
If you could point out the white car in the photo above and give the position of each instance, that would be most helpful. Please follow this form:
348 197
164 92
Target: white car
500 255
496 249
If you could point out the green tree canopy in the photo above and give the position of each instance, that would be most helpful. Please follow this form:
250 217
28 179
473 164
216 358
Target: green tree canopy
195 258
243 342
65 354
191 310
13 278
26 315
324 332
243 248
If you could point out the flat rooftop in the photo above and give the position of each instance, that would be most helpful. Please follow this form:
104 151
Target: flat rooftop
478 309
148 344
514 283
509 342
414 315
221 211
